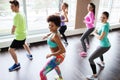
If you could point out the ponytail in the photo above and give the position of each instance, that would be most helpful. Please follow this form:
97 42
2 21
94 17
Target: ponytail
93 6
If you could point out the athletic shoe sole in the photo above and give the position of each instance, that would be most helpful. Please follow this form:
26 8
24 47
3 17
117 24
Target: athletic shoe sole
17 68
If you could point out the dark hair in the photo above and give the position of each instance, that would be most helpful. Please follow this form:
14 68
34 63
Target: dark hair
106 14
15 2
93 6
55 19
66 4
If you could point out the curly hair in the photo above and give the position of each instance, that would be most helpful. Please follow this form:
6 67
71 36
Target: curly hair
55 19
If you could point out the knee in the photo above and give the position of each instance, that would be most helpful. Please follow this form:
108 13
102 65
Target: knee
81 39
90 60
10 50
42 73
61 32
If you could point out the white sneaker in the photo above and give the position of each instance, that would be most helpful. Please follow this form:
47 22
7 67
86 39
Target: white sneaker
101 64
29 56
91 77
66 44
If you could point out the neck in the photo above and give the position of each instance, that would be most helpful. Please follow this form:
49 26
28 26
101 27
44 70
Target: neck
105 22
55 32
63 10
16 11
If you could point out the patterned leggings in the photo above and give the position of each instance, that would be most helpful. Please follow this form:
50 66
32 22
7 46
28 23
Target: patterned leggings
52 64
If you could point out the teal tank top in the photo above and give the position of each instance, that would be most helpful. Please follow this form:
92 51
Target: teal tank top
51 43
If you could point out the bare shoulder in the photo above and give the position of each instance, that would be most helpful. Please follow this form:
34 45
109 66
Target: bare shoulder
57 36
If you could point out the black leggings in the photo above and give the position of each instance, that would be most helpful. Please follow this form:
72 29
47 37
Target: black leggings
97 53
62 30
85 37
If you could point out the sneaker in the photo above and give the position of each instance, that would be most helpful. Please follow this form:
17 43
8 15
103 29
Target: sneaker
101 64
14 67
91 77
66 43
30 57
57 78
83 54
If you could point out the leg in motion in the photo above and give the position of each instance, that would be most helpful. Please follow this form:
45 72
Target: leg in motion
29 55
16 66
57 69
49 66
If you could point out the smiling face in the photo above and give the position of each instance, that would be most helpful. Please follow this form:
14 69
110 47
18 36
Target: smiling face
104 18
89 7
52 27
63 7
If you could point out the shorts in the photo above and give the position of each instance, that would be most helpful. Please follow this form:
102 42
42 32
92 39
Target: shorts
17 43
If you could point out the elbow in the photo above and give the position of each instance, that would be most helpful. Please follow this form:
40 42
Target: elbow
63 51
67 20
100 38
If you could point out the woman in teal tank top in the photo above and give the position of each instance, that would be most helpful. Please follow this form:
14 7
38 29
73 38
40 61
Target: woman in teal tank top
56 47
101 34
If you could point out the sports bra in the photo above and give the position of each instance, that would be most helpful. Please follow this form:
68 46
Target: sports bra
51 43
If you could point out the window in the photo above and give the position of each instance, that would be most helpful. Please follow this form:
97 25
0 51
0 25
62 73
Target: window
114 13
6 17
36 12
71 12
112 6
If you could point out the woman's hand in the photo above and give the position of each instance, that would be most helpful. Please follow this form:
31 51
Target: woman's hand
94 32
48 55
44 37
57 13
83 21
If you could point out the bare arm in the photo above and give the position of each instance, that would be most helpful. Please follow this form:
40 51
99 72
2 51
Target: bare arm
46 36
13 29
100 37
57 13
66 17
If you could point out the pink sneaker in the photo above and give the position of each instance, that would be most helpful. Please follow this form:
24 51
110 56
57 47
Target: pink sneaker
83 54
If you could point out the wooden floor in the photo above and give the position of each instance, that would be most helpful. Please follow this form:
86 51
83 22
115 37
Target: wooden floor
74 67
